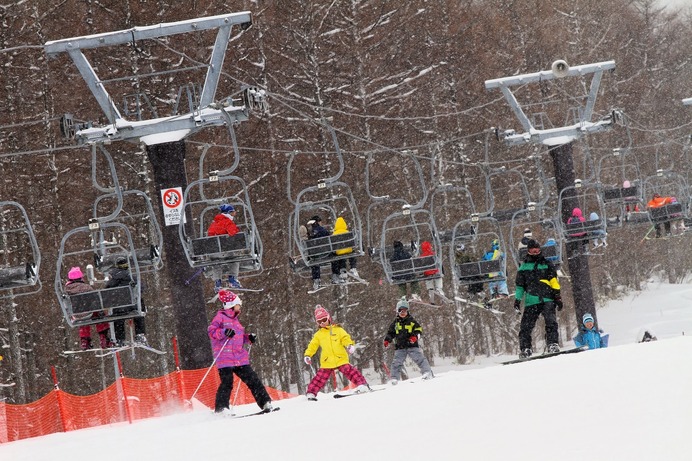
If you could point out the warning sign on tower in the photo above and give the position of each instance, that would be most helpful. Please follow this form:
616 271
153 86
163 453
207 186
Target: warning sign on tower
172 200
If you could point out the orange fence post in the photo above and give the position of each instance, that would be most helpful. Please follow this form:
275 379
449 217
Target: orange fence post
122 384
61 409
178 371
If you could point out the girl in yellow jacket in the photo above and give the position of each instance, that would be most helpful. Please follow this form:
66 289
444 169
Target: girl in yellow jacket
336 346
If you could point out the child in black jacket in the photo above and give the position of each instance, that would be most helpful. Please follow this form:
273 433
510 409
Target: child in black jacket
405 332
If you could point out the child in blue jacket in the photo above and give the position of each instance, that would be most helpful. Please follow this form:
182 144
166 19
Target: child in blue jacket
589 335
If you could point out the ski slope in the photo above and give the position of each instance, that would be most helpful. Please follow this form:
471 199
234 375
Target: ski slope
628 402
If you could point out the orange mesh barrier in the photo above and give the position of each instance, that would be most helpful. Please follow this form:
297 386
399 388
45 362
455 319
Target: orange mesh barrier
31 420
146 398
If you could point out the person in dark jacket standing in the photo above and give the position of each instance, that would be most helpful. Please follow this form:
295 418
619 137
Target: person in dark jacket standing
405 332
120 276
316 230
400 254
228 341
537 284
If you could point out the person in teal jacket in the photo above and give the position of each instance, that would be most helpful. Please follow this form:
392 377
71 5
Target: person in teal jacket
537 285
589 335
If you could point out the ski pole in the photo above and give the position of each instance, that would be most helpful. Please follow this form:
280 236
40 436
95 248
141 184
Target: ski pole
647 234
239 381
195 275
209 369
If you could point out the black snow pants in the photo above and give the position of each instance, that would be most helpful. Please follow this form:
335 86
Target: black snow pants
246 375
528 321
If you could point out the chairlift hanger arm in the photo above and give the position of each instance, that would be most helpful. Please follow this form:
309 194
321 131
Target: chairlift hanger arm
234 144
115 190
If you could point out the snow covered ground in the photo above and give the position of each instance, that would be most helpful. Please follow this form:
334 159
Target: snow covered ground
628 402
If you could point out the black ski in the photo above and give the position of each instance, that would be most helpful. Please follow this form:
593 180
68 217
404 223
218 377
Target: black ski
261 412
547 355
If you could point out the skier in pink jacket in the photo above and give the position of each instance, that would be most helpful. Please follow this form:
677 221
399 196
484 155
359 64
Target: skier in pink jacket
228 341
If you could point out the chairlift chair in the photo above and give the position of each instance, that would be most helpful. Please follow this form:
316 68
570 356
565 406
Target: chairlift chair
668 184
101 304
587 197
411 227
215 253
544 227
20 258
621 188
476 234
329 201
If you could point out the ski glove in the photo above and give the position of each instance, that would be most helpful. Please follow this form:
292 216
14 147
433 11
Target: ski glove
517 305
386 344
252 338
558 302
307 360
350 349
229 332
413 339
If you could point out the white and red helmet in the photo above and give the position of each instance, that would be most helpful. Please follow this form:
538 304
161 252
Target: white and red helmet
229 299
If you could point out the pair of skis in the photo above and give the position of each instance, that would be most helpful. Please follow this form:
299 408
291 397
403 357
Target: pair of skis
488 305
112 350
215 298
433 295
344 282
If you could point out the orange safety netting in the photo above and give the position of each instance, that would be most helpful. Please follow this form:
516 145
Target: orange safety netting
146 398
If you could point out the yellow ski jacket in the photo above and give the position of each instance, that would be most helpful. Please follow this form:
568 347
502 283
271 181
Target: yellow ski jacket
340 227
333 340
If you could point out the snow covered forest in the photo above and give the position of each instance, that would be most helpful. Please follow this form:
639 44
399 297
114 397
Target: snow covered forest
389 77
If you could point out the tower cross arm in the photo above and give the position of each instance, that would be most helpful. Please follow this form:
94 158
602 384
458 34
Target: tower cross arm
548 75
120 37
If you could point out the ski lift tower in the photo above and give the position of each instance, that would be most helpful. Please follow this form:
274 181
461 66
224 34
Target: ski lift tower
559 140
164 141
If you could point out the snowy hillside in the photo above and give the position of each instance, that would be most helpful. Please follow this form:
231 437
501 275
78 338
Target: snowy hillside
628 402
